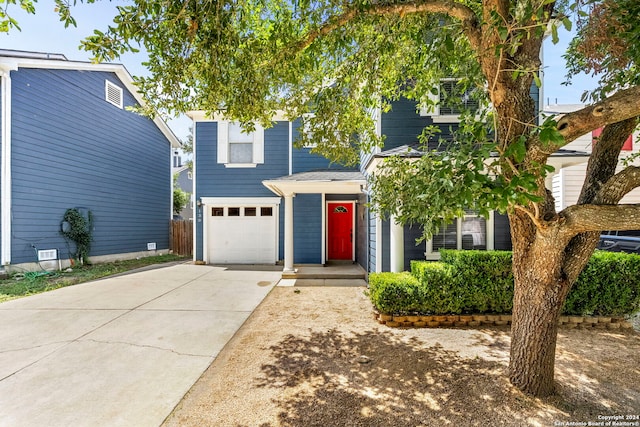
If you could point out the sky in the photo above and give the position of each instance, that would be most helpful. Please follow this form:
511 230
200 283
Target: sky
43 32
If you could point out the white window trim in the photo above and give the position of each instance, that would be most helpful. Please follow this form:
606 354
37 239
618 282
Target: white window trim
109 87
433 111
430 254
305 128
223 146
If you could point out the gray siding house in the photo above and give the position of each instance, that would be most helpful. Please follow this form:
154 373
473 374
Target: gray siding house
68 140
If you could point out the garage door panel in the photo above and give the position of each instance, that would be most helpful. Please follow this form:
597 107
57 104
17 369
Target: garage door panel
242 240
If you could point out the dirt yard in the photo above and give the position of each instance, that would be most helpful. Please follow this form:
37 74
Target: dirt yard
314 356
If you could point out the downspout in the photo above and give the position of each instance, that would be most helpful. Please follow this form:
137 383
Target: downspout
290 147
5 168
197 205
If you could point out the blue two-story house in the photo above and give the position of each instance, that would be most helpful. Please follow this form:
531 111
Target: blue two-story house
260 200
69 141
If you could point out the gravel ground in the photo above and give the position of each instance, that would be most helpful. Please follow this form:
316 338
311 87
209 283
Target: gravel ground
314 356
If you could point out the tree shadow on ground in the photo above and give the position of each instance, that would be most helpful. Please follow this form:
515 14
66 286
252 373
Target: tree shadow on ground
380 379
598 370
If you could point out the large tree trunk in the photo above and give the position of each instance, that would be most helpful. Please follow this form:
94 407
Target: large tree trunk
545 266
540 291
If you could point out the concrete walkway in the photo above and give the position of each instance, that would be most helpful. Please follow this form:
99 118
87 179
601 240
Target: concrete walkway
121 351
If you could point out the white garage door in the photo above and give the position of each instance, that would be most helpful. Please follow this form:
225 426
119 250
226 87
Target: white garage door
242 234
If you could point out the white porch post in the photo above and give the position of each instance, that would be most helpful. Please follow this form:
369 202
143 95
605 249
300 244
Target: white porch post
288 232
396 245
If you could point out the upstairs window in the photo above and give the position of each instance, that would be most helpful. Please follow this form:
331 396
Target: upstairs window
238 148
454 99
113 94
451 100
306 129
240 144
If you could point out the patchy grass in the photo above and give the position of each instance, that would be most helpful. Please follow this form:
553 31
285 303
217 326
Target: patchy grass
29 283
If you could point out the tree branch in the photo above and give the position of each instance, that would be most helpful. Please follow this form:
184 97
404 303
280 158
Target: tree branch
622 105
456 10
604 160
600 171
618 186
585 218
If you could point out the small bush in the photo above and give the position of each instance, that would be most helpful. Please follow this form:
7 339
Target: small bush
395 292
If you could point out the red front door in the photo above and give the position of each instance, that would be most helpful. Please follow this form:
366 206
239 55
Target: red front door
340 231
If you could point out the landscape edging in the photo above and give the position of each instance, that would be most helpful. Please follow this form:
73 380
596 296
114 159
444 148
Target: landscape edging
473 321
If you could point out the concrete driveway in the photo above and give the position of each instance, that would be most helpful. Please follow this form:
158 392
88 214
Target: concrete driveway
120 351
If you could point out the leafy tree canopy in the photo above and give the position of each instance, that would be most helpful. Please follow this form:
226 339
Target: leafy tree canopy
607 44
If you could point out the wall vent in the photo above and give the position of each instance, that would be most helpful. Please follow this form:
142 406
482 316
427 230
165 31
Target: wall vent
151 246
113 94
47 254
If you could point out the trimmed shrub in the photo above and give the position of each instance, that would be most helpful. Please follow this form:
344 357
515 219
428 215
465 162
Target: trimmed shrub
395 292
608 286
486 276
439 290
482 282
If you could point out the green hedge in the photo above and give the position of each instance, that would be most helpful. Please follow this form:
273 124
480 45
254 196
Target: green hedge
395 292
482 282
608 286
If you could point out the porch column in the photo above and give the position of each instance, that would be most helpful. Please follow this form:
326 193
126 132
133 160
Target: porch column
288 232
396 245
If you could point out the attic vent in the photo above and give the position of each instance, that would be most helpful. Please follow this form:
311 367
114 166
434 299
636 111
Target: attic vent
113 94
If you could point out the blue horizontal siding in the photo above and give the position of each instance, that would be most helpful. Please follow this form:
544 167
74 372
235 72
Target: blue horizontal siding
71 148
373 244
413 250
402 124
213 179
304 160
307 228
502 232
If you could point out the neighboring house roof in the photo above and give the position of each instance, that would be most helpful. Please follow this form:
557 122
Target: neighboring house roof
318 181
180 169
412 150
11 60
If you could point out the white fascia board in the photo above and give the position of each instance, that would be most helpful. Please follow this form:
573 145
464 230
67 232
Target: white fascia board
283 188
118 69
203 116
240 201
560 162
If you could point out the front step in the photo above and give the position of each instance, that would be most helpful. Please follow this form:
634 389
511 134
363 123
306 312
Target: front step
331 272
324 282
331 282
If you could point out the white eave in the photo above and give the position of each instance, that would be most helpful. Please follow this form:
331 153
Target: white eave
560 159
318 183
203 116
13 63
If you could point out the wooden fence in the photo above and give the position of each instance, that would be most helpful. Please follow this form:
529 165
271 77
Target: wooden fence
181 239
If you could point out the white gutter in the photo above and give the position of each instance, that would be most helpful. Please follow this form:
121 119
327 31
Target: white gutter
290 147
197 205
5 167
